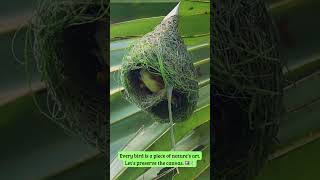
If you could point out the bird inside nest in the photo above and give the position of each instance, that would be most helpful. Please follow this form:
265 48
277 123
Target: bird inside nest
154 84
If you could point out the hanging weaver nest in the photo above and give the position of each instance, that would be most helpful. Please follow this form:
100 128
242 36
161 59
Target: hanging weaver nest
156 61
69 39
247 87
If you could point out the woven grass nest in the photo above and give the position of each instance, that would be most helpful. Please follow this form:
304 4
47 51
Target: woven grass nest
69 40
246 87
157 62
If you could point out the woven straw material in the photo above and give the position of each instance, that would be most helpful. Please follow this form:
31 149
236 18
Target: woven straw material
163 54
246 87
62 36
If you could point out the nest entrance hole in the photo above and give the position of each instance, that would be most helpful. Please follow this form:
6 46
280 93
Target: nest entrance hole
161 108
81 58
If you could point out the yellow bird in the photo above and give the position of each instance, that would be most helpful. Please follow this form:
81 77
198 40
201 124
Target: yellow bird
153 83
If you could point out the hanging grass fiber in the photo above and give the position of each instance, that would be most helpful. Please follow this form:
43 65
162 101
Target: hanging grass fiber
68 40
246 87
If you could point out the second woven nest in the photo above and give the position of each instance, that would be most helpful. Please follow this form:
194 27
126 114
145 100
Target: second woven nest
67 37
246 87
